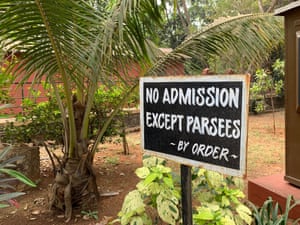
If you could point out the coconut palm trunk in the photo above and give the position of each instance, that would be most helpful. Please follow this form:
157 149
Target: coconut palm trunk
82 44
75 181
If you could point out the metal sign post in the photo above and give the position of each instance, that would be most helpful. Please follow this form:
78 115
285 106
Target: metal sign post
186 194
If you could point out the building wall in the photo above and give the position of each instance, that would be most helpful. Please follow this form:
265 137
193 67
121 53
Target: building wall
292 25
18 92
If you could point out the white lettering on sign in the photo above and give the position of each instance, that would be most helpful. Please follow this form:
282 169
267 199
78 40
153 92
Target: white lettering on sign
152 95
182 145
214 126
215 152
164 121
197 120
211 96
195 125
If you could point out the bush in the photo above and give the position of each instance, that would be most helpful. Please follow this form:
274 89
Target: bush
219 197
267 84
42 121
5 82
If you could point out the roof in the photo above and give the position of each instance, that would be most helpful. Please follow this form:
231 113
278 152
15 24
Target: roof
283 10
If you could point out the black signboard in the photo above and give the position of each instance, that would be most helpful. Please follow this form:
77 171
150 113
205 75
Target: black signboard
197 121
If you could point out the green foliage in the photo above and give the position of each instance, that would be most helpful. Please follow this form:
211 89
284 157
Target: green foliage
91 214
106 100
155 190
5 82
271 213
134 210
267 85
220 199
278 76
38 122
42 121
5 168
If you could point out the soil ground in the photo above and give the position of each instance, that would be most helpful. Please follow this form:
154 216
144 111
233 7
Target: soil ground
116 177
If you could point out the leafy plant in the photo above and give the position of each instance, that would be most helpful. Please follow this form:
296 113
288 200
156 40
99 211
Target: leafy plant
267 85
278 76
220 197
37 123
42 121
112 160
6 166
155 190
91 214
262 85
271 213
5 82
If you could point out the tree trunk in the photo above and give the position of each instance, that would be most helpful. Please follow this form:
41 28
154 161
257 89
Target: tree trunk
75 181
74 187
271 7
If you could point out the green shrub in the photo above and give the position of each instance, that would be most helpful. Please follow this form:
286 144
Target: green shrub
155 192
5 82
42 121
38 122
220 199
267 84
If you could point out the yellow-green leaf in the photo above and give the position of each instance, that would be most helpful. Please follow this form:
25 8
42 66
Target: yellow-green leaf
142 172
245 213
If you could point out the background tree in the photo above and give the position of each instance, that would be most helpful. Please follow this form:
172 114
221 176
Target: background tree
204 12
84 44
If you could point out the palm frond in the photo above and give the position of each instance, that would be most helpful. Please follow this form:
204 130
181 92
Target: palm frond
250 37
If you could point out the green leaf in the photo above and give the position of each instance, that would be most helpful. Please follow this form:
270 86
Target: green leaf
215 179
142 172
152 161
225 201
245 213
21 177
5 151
162 169
204 214
136 220
8 196
133 202
154 188
227 221
168 181
3 206
150 178
167 210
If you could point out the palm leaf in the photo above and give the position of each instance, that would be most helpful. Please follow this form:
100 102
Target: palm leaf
251 37
8 196
21 177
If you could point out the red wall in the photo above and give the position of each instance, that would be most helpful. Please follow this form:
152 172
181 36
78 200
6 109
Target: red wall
18 92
